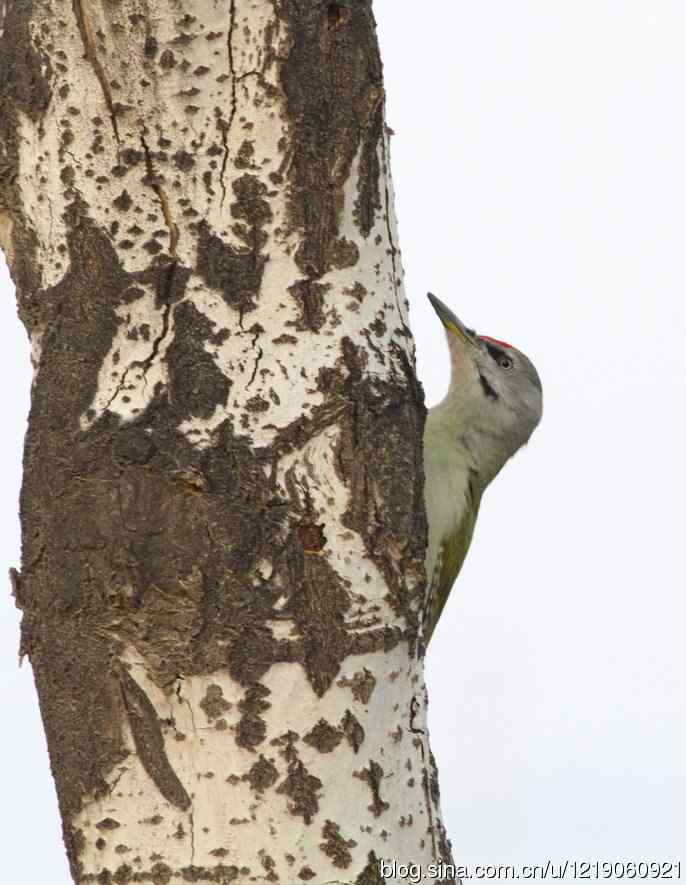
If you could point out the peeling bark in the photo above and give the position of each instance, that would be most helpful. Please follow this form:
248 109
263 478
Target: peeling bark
222 510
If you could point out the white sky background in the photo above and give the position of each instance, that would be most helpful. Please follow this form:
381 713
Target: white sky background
540 169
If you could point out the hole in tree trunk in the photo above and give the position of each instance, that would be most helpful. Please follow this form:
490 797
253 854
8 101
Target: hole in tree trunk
337 15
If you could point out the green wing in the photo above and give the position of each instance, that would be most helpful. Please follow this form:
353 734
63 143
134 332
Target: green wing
451 555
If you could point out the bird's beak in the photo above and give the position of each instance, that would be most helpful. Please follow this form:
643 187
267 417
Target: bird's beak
451 322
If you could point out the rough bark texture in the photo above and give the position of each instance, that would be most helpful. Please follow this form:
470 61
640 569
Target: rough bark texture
223 528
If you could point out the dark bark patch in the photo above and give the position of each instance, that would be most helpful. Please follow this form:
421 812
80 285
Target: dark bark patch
332 80
362 685
151 46
252 729
324 737
309 296
26 71
337 14
107 823
149 742
183 161
237 270
371 874
302 789
262 775
257 403
244 157
335 846
368 201
380 447
187 580
162 874
167 60
357 291
344 253
287 744
123 202
268 864
378 327
123 875
353 731
213 703
94 263
70 658
131 156
197 384
312 537
317 602
373 777
433 781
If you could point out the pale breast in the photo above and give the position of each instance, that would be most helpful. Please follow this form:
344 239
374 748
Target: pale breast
451 506
446 494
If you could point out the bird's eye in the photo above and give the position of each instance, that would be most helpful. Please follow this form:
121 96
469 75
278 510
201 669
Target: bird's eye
505 362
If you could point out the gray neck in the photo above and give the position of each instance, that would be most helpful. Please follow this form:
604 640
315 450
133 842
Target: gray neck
487 451
464 425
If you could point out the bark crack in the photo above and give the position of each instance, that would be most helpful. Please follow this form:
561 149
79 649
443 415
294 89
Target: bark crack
232 111
192 823
414 711
258 359
118 389
182 700
257 331
113 785
86 30
145 364
153 180
166 317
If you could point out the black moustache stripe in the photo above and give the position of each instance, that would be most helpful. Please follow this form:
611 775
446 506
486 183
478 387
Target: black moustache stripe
487 389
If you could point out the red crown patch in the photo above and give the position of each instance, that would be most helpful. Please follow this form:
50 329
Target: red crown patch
496 341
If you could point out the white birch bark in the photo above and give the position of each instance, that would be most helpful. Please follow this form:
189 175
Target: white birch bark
169 128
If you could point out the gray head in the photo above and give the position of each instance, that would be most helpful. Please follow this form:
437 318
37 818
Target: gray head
495 388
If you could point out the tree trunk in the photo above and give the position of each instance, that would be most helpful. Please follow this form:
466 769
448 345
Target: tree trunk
223 526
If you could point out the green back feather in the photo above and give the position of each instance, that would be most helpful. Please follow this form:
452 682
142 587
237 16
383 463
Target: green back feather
451 555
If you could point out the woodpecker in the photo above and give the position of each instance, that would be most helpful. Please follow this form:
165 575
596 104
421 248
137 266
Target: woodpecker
493 405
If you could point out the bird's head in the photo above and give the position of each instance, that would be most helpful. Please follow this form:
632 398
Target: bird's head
494 387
